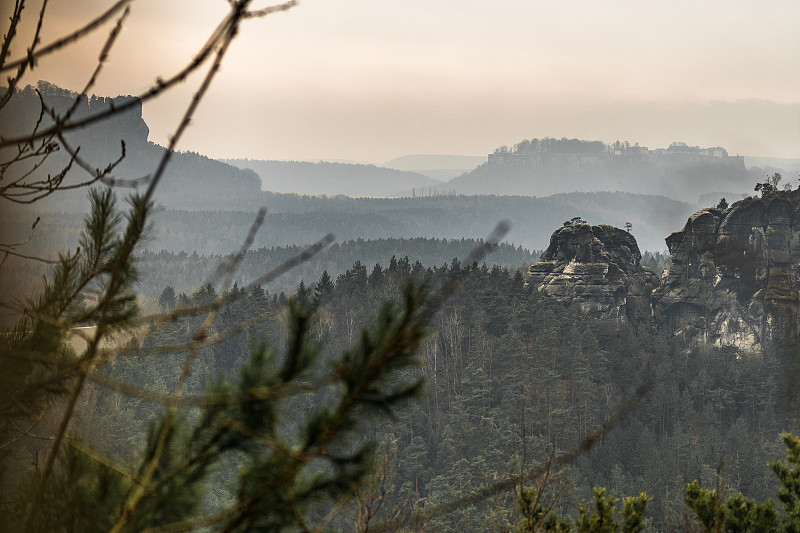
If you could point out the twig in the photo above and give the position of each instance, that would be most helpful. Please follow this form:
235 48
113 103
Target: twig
191 525
203 400
103 460
101 59
68 39
149 469
160 86
25 433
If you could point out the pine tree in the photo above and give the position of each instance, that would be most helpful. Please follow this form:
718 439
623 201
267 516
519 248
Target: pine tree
324 287
285 478
738 513
167 299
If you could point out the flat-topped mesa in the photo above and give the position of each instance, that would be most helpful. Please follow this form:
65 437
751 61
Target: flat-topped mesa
734 278
595 271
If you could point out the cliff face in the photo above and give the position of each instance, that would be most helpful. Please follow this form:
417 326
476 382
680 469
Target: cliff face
191 181
595 270
734 278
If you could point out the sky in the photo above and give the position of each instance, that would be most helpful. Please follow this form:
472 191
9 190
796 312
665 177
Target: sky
371 80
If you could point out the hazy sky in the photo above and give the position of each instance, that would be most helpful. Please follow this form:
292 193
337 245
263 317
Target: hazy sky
370 80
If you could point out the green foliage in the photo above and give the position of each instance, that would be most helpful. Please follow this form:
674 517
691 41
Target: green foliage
599 519
574 221
168 299
789 476
770 186
740 514
93 286
535 516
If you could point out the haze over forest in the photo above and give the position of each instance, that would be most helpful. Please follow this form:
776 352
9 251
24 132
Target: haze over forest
444 266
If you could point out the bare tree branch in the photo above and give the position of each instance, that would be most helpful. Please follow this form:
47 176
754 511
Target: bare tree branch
64 41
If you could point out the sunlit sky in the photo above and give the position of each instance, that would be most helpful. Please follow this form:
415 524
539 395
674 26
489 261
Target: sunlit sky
370 80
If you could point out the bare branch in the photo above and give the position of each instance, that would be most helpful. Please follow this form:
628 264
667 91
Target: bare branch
160 86
24 433
66 40
237 10
196 343
271 9
16 15
103 460
200 401
191 525
26 241
31 257
101 59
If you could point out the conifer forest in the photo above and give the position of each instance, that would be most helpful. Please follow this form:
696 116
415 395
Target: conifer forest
568 335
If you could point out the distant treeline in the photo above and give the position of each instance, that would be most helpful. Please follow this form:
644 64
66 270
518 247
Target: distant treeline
550 145
185 272
300 220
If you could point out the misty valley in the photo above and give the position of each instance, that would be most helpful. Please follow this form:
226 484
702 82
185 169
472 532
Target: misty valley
562 335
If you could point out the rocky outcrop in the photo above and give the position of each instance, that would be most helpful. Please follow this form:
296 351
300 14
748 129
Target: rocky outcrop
595 271
734 278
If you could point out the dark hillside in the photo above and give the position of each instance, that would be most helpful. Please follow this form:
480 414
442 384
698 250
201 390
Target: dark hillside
550 166
191 181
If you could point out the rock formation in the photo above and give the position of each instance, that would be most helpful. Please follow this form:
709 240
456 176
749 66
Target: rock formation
595 270
734 275
733 282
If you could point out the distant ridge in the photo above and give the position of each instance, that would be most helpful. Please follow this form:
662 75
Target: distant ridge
302 177
438 166
541 167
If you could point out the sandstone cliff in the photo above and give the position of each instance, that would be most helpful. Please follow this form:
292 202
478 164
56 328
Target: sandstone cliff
595 270
734 275
734 279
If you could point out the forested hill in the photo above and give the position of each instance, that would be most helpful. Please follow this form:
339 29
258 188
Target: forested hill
540 167
511 377
335 178
300 220
191 181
